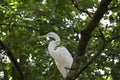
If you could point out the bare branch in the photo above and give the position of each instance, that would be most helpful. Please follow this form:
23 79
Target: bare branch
4 47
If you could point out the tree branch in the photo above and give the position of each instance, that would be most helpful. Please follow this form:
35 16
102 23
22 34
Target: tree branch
92 59
116 6
75 3
4 47
85 37
98 53
116 37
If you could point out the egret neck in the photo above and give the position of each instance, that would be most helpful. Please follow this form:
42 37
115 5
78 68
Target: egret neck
55 43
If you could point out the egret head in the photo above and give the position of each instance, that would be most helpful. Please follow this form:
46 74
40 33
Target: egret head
52 35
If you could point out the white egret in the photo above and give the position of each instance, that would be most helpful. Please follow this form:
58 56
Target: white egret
60 54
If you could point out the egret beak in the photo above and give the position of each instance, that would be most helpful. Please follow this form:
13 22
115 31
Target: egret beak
42 36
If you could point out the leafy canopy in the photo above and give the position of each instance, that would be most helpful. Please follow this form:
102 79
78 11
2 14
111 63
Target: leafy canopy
22 21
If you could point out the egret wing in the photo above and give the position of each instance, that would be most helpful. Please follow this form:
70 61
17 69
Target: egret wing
64 56
64 60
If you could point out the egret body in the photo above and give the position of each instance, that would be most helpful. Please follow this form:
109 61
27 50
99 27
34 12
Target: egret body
60 54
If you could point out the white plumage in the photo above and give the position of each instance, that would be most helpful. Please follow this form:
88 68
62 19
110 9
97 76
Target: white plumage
60 54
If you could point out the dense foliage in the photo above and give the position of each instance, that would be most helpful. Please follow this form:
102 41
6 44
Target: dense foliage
22 21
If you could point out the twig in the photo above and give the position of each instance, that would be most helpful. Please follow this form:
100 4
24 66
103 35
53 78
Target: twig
12 58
